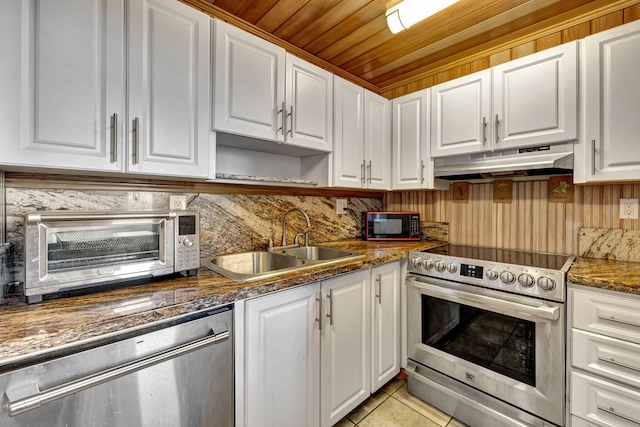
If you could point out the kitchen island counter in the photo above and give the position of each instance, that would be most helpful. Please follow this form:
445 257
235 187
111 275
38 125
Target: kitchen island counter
28 331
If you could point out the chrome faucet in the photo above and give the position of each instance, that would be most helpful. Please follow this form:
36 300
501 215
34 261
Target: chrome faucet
284 226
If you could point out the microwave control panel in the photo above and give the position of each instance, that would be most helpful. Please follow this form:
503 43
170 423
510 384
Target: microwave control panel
187 256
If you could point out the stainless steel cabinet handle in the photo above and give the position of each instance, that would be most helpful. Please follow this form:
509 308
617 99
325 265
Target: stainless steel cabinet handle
369 172
330 309
136 141
318 309
497 129
379 293
34 401
422 171
624 363
363 176
281 112
114 138
593 157
484 131
290 129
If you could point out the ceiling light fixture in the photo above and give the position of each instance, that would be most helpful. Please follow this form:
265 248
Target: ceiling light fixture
409 12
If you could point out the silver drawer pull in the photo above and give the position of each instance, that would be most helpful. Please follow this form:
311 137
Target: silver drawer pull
611 410
619 316
135 146
379 293
318 309
617 362
38 399
330 309
114 138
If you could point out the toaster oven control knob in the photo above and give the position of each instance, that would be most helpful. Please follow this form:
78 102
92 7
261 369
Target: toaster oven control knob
416 262
526 280
452 268
507 277
492 275
440 266
428 264
187 241
546 283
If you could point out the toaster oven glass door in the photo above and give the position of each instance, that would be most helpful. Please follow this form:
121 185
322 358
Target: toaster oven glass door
97 251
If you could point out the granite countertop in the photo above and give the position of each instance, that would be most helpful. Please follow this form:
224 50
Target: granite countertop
621 276
33 330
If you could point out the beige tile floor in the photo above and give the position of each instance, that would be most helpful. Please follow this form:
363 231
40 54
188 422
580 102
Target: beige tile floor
393 406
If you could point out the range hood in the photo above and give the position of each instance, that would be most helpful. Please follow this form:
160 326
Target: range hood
533 161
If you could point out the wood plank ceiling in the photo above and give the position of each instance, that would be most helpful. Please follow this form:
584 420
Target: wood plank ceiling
352 35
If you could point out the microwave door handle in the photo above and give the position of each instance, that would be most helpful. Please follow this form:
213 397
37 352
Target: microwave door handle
482 301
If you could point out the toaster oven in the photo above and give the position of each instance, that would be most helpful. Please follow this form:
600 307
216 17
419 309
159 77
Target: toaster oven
67 251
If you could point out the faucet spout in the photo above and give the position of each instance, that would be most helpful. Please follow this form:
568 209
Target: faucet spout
284 226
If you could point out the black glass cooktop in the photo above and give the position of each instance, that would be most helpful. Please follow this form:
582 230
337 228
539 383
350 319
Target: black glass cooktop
506 256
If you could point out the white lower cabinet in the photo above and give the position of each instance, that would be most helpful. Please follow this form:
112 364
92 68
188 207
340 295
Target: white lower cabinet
309 354
604 374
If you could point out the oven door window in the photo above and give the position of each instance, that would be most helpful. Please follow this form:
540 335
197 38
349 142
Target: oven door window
494 341
78 247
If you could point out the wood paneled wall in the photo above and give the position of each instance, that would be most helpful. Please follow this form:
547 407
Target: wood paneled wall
564 32
529 222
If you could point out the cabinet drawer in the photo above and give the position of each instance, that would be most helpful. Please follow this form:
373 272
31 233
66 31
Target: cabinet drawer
603 403
613 358
608 315
579 422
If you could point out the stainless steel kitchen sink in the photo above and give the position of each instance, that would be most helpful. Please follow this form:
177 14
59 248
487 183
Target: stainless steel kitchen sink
319 253
246 266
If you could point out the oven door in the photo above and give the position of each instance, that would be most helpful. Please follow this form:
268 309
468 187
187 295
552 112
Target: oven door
70 254
508 346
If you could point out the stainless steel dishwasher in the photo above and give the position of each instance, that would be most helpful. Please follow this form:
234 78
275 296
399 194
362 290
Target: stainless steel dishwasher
171 374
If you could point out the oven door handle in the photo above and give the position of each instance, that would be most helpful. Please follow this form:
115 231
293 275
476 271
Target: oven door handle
442 291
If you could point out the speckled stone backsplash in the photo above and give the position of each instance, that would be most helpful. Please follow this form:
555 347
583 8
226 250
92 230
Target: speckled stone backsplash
609 243
228 223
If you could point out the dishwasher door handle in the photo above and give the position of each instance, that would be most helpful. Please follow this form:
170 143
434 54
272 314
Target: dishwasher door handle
39 398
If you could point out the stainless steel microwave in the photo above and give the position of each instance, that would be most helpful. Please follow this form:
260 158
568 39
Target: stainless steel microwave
391 226
67 251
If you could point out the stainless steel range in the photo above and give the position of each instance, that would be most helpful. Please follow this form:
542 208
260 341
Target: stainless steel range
486 334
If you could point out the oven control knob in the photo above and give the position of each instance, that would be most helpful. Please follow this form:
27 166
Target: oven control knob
507 277
492 275
526 280
546 283
428 264
416 262
440 266
452 268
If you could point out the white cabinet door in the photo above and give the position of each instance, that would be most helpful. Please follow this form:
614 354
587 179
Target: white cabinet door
249 92
609 149
345 349
62 83
309 94
461 115
282 359
535 98
348 151
168 81
411 163
377 141
385 321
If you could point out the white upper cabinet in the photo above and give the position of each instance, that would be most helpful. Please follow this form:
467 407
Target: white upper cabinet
263 92
67 86
526 102
535 98
609 148
248 84
62 97
309 94
362 137
460 116
168 81
412 166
